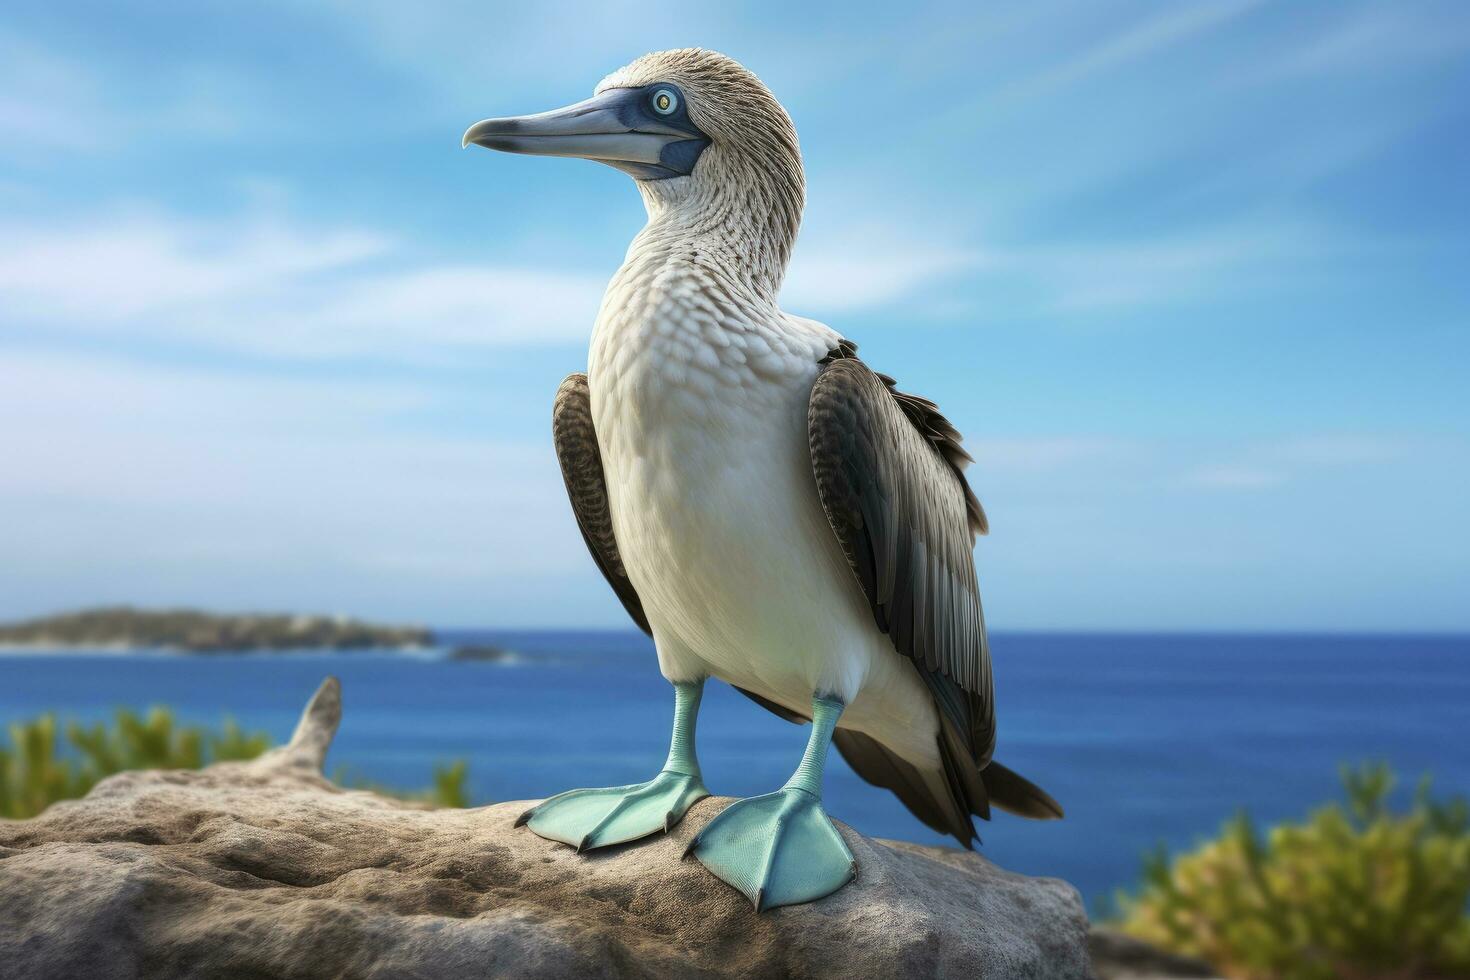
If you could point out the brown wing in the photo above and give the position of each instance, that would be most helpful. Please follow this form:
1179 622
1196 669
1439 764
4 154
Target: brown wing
581 470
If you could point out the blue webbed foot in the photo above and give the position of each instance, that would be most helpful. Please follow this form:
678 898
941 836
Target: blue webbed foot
777 849
589 818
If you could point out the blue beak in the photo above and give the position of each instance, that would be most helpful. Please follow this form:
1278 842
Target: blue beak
617 127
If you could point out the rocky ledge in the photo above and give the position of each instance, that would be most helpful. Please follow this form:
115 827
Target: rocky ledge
267 869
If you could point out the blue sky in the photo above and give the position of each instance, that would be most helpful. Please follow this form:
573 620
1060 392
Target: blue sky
1192 278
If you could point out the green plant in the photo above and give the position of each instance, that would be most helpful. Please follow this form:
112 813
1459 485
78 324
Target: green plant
448 787
42 765
1353 892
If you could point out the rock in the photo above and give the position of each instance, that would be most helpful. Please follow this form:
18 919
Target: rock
266 869
483 654
1116 956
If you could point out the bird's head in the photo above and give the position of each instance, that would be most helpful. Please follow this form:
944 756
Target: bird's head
700 135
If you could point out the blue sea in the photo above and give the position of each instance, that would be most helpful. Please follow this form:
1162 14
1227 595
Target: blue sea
1143 738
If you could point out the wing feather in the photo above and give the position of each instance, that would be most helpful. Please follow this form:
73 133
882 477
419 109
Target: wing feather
889 471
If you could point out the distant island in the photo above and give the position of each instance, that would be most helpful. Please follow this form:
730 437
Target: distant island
193 631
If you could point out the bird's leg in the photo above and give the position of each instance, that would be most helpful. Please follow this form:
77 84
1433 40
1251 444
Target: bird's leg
588 818
781 848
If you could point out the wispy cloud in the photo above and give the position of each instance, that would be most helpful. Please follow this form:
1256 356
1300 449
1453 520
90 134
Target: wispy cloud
277 287
1171 268
872 265
55 102
151 267
1371 39
881 261
1233 477
1205 463
34 82
1045 454
1248 119
419 39
1176 25
1139 273
1338 449
1277 462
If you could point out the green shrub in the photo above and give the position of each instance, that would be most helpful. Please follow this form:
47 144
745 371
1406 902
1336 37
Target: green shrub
448 787
1353 892
39 767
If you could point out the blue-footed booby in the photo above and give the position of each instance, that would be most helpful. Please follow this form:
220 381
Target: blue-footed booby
771 511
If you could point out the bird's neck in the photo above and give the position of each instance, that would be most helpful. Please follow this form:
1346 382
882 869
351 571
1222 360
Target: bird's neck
693 312
694 298
743 239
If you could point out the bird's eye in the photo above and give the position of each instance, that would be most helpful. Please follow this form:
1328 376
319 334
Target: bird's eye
665 101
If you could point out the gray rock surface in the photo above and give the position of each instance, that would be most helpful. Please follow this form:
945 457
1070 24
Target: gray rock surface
266 869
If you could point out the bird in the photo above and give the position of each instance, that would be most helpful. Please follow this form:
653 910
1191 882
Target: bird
773 512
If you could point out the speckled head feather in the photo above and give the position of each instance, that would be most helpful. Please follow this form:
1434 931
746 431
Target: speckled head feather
751 174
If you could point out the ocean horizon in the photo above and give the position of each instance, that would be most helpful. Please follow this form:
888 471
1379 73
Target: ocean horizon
1145 738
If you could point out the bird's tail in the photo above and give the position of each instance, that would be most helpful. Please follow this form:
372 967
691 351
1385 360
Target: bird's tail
976 787
1014 793
945 798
